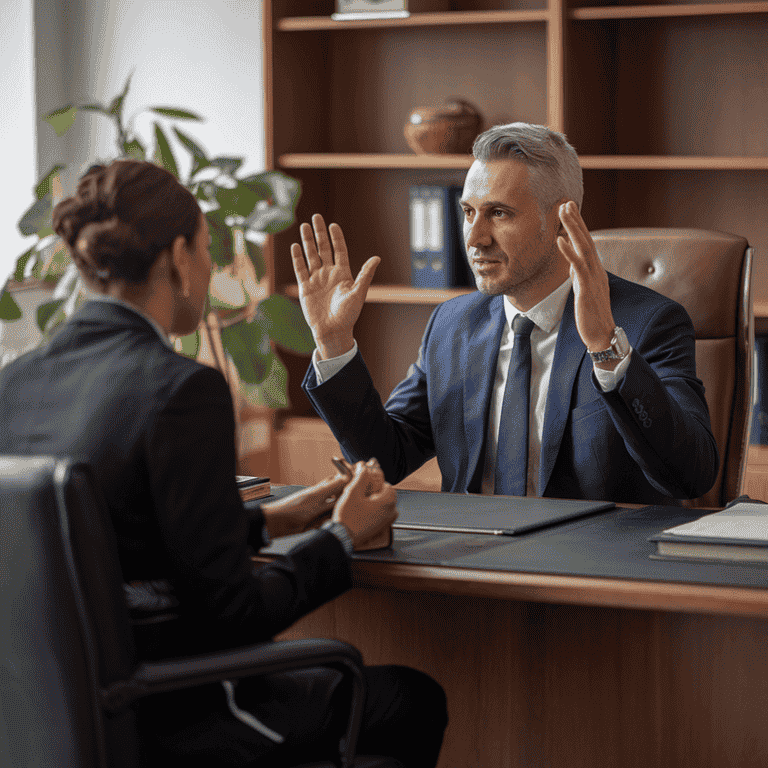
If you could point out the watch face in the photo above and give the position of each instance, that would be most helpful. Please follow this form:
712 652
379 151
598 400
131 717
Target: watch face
618 350
620 345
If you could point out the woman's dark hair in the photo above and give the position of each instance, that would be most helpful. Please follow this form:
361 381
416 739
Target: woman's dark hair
122 217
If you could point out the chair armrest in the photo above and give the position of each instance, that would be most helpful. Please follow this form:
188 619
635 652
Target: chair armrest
261 659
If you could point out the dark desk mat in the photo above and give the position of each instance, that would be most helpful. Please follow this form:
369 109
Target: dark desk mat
613 545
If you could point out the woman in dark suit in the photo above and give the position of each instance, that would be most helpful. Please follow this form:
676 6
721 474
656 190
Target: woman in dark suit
158 430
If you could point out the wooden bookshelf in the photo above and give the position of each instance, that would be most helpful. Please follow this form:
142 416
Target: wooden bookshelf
667 105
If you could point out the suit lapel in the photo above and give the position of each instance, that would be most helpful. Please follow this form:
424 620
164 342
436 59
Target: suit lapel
485 330
569 353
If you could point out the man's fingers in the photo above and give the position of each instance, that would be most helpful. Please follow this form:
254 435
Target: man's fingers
299 265
310 247
324 249
340 253
566 249
365 276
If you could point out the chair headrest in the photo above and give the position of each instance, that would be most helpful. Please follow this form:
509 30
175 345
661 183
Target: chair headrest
699 268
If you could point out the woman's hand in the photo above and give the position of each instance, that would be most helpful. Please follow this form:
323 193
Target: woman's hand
368 504
303 509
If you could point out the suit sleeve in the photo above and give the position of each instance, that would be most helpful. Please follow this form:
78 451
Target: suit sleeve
398 433
205 529
660 411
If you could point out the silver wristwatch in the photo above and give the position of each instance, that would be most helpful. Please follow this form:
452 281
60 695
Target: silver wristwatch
618 350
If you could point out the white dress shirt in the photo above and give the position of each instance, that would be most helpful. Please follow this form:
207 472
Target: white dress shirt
547 315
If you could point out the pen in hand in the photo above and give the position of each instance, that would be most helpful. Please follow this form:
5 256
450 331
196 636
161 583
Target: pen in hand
343 466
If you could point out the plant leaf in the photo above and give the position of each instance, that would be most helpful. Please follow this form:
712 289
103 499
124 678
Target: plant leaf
188 345
61 119
94 108
244 343
9 309
225 291
179 114
254 254
284 322
221 239
116 105
44 185
279 212
163 153
21 263
239 201
46 311
272 392
192 147
264 191
199 158
228 165
36 217
135 149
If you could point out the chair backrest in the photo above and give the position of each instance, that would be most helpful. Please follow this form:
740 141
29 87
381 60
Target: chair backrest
710 274
57 655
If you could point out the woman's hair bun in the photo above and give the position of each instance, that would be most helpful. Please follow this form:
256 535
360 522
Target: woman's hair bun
122 217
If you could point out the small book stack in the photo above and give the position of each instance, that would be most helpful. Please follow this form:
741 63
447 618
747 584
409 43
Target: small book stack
736 534
253 487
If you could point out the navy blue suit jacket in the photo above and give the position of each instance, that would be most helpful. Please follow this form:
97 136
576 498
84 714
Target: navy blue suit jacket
649 441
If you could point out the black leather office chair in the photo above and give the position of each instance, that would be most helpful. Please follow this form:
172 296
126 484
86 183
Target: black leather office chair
68 669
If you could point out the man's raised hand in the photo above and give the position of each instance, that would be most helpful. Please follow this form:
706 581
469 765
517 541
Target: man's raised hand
330 297
592 298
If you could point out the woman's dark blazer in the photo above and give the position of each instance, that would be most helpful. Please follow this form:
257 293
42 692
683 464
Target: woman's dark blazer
159 431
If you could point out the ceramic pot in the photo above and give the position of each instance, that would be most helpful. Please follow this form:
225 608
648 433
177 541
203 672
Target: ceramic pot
446 130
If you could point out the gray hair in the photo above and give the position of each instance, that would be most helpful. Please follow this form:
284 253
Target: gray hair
554 171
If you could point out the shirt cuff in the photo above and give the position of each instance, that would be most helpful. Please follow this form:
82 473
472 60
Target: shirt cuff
610 380
326 369
341 532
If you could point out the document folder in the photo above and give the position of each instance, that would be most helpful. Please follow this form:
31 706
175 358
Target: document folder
475 513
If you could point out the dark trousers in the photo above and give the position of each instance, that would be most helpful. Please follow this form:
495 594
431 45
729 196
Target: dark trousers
404 717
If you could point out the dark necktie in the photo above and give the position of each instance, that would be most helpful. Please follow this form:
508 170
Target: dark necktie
512 452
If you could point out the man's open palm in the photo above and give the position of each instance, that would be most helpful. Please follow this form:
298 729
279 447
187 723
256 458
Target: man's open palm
330 297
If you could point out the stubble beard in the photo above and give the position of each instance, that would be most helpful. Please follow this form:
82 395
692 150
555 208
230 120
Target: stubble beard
521 281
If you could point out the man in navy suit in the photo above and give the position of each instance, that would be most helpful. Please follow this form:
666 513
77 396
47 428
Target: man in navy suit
611 408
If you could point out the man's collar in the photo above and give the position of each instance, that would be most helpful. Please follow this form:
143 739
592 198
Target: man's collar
111 300
547 313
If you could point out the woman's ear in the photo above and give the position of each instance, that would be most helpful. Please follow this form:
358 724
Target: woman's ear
181 265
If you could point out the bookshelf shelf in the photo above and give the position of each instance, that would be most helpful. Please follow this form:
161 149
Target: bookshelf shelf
673 162
382 161
449 18
668 11
607 162
400 294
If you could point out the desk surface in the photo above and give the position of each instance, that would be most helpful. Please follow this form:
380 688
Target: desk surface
544 658
603 560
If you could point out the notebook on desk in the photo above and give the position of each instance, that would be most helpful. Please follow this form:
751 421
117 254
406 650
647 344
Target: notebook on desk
476 513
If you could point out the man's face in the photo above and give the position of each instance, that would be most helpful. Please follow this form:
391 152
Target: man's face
509 250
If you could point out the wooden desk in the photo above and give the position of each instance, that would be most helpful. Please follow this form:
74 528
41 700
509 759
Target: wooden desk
545 670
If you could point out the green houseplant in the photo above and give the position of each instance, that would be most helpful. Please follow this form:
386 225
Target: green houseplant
242 319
